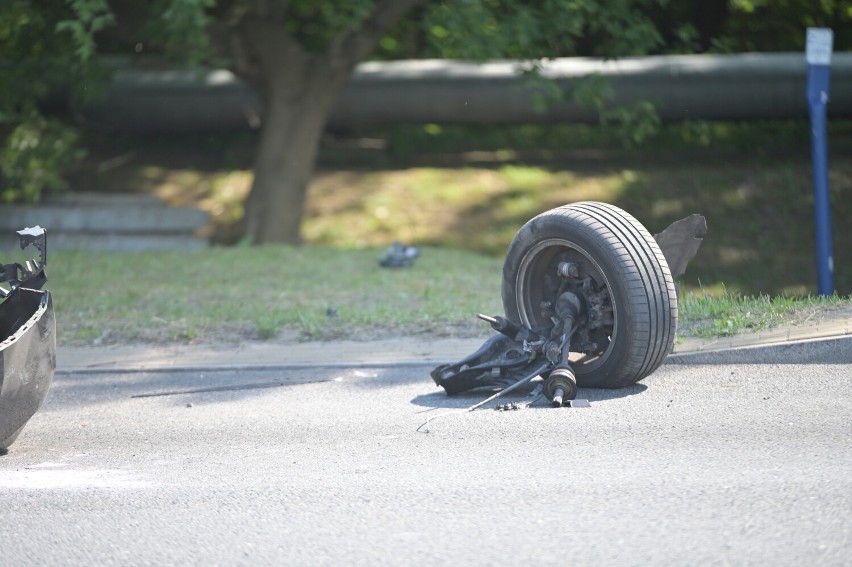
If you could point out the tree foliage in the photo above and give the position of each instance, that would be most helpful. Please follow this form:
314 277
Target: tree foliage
779 25
43 46
679 26
179 29
493 29
299 53
35 156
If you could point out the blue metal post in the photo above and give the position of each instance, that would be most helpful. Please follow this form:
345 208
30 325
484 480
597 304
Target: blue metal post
817 94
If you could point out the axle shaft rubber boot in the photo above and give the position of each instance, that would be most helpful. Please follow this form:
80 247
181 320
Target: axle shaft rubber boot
561 385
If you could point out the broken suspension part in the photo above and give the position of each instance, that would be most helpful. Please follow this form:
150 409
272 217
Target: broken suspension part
587 290
614 265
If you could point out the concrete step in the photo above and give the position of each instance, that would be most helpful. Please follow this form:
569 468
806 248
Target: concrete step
93 221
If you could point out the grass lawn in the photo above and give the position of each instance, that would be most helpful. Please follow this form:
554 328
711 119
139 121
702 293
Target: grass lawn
225 295
461 194
464 189
230 294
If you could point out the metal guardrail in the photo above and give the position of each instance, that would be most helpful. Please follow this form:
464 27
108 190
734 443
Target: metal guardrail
148 96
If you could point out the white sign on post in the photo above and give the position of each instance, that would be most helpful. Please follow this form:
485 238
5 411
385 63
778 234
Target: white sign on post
819 44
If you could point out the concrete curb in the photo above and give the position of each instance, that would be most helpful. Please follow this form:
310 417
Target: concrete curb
243 368
93 221
263 356
395 353
820 350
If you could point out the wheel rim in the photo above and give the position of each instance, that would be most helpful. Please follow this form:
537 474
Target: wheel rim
537 281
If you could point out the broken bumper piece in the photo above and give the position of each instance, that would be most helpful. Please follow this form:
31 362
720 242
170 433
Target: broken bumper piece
27 339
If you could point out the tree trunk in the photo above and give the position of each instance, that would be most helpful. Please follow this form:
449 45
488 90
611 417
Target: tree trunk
285 161
298 89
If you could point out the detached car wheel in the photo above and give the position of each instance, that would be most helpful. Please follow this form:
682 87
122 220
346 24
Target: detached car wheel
622 278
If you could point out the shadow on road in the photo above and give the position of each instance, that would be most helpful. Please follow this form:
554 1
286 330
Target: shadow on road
178 388
441 400
222 386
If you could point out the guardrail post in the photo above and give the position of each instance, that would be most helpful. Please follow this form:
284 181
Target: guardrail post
818 57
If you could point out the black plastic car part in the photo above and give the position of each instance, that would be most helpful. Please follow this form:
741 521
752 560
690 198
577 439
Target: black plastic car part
27 338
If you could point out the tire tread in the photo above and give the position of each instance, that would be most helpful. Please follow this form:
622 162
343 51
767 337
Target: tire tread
651 299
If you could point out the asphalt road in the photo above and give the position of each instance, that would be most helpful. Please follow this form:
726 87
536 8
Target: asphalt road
739 464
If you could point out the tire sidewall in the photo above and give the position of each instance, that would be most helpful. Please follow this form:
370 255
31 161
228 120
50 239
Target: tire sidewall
577 230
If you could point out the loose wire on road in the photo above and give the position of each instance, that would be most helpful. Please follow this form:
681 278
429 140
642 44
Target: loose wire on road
517 384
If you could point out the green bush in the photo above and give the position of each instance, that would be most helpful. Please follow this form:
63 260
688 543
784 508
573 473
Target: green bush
34 158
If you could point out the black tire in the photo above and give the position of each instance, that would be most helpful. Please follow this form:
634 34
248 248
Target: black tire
621 257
